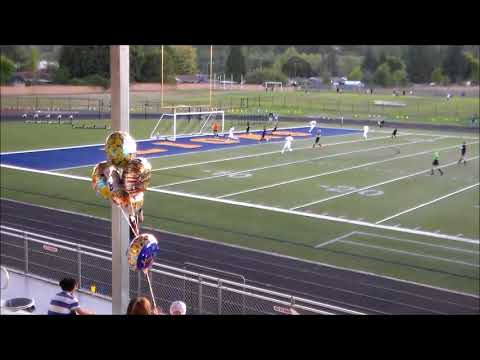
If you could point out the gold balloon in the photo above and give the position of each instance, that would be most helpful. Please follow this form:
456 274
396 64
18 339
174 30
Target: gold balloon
120 197
120 148
99 181
136 175
137 201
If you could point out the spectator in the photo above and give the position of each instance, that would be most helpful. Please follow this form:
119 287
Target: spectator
178 308
65 302
142 306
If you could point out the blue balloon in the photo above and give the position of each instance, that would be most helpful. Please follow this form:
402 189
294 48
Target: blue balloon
142 251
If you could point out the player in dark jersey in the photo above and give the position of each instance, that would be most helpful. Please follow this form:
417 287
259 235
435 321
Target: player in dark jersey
463 152
248 128
394 133
317 139
264 132
435 163
275 127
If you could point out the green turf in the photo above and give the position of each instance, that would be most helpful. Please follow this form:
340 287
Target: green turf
413 257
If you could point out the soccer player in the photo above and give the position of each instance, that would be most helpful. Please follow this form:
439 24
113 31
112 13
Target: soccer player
394 133
215 129
436 163
264 132
317 139
313 123
231 135
463 151
275 127
365 131
248 128
288 143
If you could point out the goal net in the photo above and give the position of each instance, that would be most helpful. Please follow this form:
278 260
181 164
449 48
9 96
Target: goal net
272 85
182 123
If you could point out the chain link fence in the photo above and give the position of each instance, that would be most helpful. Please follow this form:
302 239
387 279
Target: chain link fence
53 259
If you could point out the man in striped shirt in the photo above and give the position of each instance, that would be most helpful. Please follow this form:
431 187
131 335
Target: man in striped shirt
65 303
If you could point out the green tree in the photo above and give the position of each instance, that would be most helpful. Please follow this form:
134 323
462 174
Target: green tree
394 63
16 53
297 67
61 76
33 60
421 60
185 59
152 66
356 74
474 64
83 61
455 65
137 58
346 64
399 77
259 76
331 63
437 75
370 63
7 68
382 75
235 64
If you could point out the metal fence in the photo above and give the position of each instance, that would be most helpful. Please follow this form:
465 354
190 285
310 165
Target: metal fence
52 259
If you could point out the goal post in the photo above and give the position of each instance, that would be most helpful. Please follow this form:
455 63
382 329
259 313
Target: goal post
201 127
273 85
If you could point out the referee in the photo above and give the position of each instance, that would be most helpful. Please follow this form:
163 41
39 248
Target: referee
435 163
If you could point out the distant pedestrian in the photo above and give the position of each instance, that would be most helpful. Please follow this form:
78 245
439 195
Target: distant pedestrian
463 152
394 133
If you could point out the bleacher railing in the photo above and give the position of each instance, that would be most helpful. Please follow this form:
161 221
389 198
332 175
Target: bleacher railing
50 259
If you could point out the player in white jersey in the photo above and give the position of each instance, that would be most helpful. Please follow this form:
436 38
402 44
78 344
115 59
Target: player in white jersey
313 124
230 134
288 143
365 131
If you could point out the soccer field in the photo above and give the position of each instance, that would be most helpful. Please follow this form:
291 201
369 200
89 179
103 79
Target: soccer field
368 205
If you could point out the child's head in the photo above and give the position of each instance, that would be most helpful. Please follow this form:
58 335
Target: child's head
68 284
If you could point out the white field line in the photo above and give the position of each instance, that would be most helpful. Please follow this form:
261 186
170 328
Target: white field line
284 164
45 172
328 173
334 240
377 184
475 252
278 210
410 253
261 154
427 203
266 252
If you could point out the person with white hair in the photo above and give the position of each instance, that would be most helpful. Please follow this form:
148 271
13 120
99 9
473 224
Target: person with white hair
313 124
365 131
178 308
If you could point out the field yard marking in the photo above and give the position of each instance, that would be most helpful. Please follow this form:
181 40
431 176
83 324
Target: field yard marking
285 164
475 252
410 253
377 184
266 252
276 210
427 203
426 134
329 173
45 172
260 154
334 240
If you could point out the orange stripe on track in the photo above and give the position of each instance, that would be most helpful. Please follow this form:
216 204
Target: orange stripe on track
215 141
178 145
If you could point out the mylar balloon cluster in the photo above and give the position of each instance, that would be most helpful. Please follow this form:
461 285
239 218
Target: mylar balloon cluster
142 251
123 178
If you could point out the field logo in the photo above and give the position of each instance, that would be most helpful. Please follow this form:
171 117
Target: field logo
345 188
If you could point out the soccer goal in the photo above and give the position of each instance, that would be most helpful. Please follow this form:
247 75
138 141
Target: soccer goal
272 85
187 123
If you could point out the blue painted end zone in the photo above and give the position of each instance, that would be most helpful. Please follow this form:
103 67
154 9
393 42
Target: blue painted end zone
55 159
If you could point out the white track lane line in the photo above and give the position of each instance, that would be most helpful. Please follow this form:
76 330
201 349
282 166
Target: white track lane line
284 164
427 203
409 253
326 173
377 184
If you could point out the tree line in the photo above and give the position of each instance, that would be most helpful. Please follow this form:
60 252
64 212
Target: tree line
379 65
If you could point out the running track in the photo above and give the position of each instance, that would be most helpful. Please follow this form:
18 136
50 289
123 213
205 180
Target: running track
357 291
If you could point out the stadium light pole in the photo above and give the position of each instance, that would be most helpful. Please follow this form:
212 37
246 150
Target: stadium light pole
162 77
120 100
211 72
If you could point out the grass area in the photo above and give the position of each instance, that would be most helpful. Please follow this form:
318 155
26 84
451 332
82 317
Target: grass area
330 180
429 109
